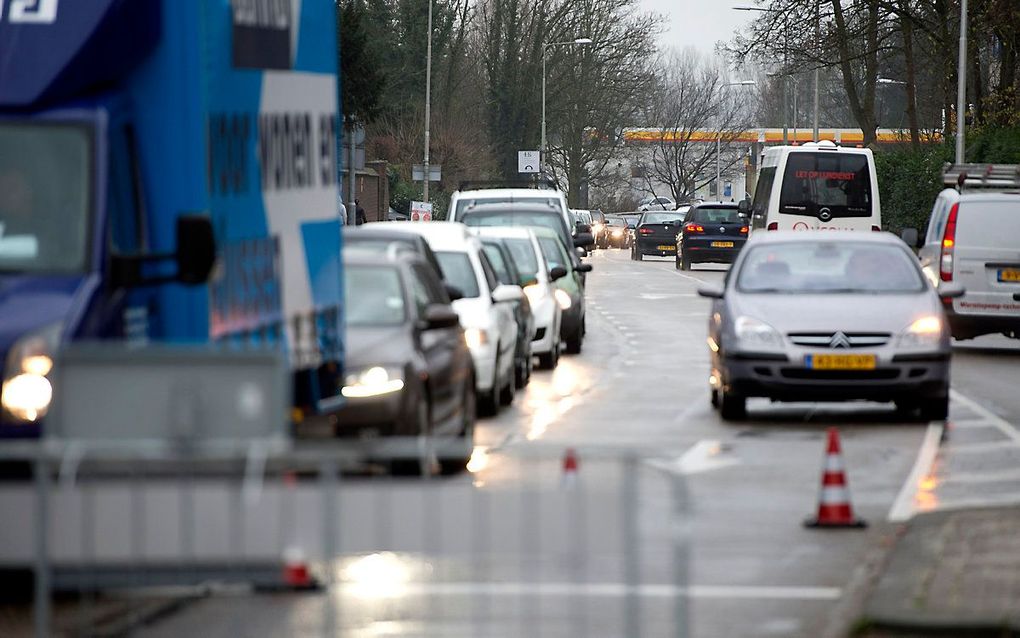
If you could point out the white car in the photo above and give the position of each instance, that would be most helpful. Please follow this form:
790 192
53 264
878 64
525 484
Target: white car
657 203
461 200
485 311
973 239
531 262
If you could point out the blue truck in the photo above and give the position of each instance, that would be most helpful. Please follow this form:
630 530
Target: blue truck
169 172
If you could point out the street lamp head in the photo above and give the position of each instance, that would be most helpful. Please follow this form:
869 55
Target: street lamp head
583 41
889 81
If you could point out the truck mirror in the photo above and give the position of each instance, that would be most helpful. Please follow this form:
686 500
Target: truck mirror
196 249
744 207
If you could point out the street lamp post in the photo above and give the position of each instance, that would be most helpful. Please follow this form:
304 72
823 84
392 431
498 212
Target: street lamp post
428 107
545 49
718 142
961 87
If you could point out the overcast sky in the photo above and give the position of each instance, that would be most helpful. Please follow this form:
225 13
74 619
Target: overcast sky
698 23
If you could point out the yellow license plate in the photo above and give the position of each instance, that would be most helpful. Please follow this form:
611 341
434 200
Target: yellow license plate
722 244
840 361
667 247
1009 274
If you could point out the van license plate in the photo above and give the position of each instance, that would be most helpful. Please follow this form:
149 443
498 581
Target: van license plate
1011 275
722 244
840 361
666 247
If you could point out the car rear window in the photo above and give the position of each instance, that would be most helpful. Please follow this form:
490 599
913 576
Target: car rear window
660 218
989 224
463 204
373 296
839 183
459 272
616 221
716 216
520 218
828 267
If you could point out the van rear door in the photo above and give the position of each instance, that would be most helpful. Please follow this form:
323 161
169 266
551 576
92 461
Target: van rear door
826 190
986 259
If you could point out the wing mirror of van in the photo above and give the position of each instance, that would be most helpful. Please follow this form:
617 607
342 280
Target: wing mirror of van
950 290
744 208
194 256
911 237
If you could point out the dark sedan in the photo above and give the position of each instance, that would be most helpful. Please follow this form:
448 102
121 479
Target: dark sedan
656 234
711 233
408 369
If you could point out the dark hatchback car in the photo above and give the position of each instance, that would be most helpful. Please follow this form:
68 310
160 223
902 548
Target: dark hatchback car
408 369
656 234
380 239
711 233
506 271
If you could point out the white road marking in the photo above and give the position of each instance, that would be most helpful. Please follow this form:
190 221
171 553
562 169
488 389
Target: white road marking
981 448
703 456
726 592
1003 476
967 424
988 415
904 507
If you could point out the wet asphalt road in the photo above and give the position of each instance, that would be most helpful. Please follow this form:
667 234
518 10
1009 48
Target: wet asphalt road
675 523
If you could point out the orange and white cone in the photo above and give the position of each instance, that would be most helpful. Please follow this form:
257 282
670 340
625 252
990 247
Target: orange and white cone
570 466
296 574
834 508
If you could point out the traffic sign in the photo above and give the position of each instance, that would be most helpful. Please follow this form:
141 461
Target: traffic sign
527 162
418 172
421 211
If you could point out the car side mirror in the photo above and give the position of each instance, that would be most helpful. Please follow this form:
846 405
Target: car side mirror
744 208
911 237
557 273
583 267
711 292
504 293
453 292
439 316
950 290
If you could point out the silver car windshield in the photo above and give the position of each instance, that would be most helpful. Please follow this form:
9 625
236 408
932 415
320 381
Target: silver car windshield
828 267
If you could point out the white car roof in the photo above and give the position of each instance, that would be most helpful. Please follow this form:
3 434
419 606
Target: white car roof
522 193
512 232
439 235
808 236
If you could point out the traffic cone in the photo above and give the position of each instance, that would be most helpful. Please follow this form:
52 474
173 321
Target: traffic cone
296 573
570 465
834 509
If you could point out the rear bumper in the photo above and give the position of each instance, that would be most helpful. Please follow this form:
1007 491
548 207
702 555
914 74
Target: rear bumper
915 377
701 250
651 246
967 326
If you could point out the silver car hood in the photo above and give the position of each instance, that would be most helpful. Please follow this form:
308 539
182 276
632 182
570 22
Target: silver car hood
829 313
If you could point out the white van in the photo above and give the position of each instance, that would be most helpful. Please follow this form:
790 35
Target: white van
816 186
462 199
973 240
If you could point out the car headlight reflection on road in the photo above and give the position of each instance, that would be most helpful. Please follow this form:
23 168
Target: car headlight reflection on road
755 334
373 382
563 299
924 332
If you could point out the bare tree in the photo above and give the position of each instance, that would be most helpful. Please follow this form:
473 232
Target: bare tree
691 101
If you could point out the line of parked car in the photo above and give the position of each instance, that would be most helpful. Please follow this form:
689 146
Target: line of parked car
447 319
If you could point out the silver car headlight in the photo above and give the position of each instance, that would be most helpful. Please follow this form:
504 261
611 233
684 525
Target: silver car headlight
925 332
754 334
373 382
26 392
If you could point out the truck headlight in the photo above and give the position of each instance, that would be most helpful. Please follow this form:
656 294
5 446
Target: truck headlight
373 382
926 332
754 334
26 392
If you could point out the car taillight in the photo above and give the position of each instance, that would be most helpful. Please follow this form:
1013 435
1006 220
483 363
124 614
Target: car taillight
948 242
694 228
744 230
773 226
645 231
876 229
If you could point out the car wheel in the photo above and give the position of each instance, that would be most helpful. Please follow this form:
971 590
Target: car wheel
488 402
935 409
422 428
548 360
455 464
575 342
509 389
732 406
676 261
685 263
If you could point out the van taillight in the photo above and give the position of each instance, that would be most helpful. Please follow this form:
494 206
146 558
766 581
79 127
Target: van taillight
773 226
876 229
948 243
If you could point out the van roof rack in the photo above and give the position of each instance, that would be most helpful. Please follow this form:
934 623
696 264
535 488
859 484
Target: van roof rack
536 182
962 176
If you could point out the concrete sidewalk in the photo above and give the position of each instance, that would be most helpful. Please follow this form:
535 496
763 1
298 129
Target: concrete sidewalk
953 573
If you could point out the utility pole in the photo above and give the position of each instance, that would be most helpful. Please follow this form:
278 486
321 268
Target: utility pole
428 107
961 88
818 45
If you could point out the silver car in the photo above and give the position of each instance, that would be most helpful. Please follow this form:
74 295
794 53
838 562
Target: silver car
834 316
